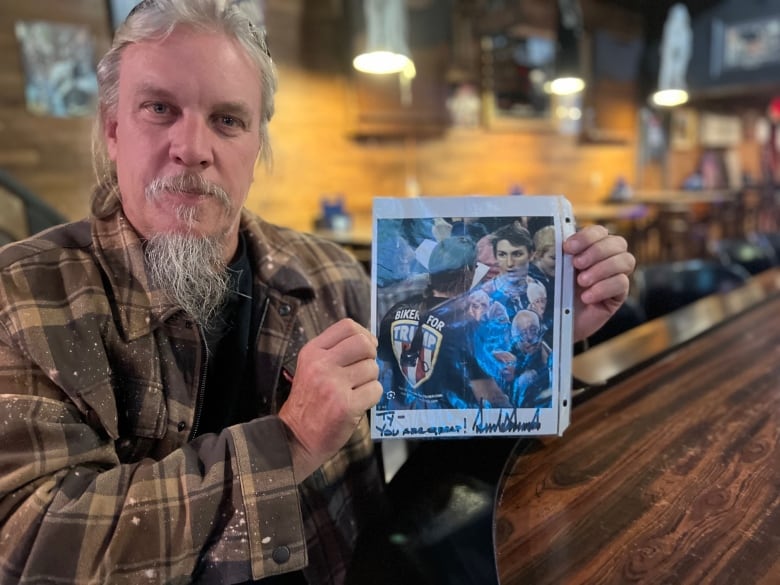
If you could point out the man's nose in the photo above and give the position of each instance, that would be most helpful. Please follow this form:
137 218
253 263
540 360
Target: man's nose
190 142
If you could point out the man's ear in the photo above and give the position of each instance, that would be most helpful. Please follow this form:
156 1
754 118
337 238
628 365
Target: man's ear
109 134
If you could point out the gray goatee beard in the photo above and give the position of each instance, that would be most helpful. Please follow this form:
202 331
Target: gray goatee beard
191 271
187 266
188 183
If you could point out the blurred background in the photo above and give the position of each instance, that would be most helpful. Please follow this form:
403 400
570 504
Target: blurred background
473 110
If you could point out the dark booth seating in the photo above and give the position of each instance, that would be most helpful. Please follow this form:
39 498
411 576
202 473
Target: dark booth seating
663 288
770 242
752 256
23 212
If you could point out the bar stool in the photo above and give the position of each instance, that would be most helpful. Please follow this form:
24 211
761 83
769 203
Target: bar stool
683 235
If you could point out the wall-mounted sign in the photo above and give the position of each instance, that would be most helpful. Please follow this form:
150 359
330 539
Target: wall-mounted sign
745 46
720 131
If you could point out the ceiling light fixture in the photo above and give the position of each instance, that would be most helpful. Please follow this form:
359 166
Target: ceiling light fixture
568 77
385 48
676 45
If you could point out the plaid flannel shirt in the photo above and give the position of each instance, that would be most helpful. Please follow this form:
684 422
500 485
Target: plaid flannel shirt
99 376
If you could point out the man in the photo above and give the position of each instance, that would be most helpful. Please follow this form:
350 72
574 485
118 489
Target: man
478 304
146 443
542 266
537 298
183 385
530 358
426 349
512 247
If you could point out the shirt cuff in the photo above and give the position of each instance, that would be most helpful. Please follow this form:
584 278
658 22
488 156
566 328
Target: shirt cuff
271 499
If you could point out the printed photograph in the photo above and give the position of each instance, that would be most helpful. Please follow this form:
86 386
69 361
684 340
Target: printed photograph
465 314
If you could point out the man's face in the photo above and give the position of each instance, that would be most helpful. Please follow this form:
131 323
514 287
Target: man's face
188 105
526 333
512 260
538 304
478 305
546 262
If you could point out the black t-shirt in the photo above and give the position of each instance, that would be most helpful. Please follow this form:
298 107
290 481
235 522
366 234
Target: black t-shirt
228 399
427 347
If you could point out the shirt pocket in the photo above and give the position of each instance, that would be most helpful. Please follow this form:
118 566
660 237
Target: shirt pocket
142 417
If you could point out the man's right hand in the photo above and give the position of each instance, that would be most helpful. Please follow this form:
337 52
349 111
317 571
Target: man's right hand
335 384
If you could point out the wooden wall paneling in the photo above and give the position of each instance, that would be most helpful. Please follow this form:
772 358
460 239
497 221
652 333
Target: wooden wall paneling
379 109
313 151
610 105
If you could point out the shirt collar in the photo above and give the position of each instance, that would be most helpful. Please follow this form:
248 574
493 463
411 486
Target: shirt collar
141 307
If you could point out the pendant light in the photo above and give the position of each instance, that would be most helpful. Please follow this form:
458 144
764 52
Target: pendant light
383 46
568 69
676 44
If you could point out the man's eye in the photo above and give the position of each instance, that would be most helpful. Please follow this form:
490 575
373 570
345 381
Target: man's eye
158 108
230 122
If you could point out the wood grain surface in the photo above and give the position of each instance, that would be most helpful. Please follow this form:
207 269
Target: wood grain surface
670 476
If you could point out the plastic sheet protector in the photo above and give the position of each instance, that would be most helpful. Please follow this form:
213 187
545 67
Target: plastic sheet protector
471 300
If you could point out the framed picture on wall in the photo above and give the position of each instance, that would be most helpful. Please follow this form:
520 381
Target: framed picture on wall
59 70
684 128
745 46
516 67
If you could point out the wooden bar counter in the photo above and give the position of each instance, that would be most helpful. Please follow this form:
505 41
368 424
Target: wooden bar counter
669 475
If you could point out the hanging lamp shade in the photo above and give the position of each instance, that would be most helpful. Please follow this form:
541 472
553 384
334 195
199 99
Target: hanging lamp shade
676 44
382 45
568 69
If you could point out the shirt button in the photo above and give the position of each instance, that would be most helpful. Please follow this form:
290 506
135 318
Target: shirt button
281 555
181 426
285 310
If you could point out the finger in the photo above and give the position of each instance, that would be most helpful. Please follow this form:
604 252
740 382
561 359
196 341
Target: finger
353 349
366 395
339 331
362 372
622 263
615 287
584 238
599 251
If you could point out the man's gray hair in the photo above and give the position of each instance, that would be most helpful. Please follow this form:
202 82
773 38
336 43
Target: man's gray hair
155 20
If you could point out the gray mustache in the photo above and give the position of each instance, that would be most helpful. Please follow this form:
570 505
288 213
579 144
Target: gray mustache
188 183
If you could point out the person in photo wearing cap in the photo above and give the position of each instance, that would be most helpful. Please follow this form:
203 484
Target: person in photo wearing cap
426 343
